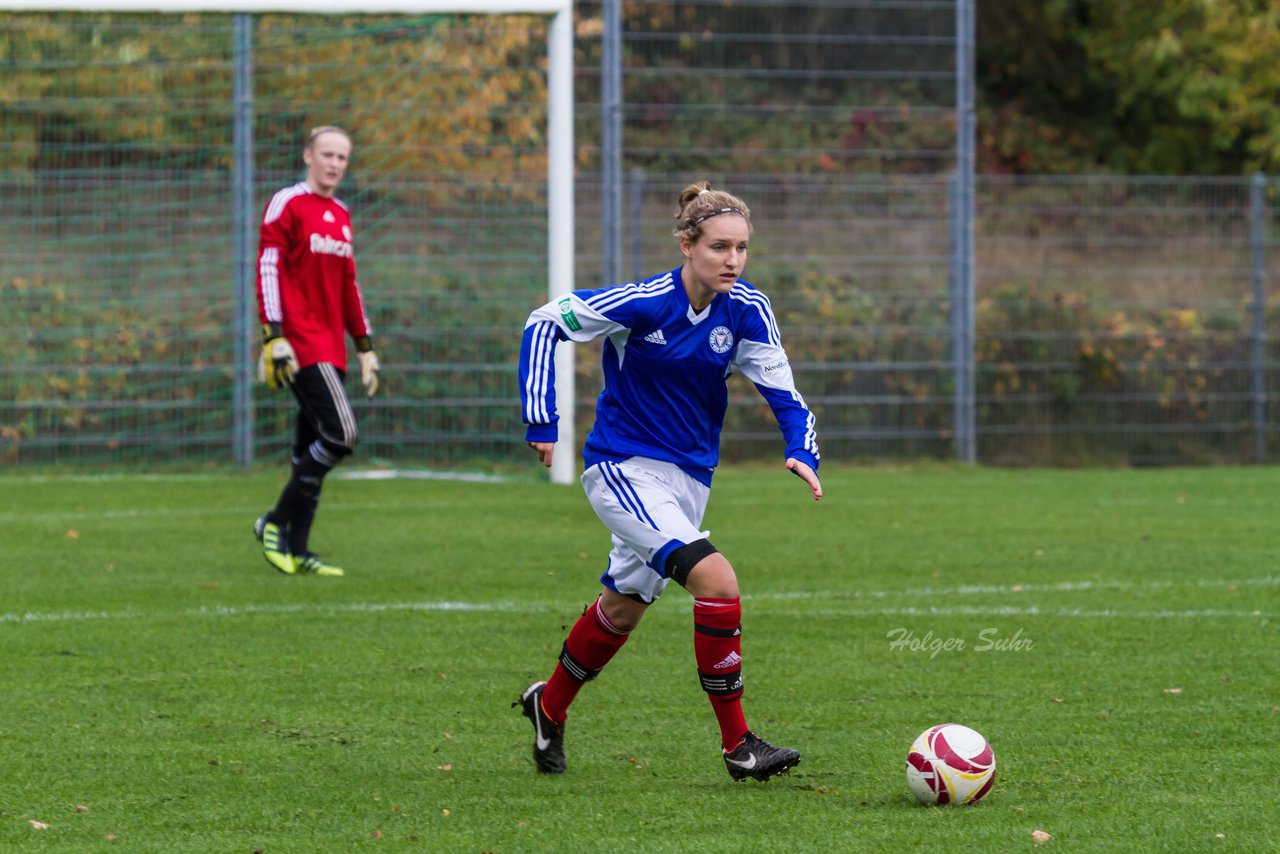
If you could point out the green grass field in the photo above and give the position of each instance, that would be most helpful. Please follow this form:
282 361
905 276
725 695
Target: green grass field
165 691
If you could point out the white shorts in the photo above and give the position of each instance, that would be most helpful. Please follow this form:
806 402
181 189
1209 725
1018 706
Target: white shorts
652 508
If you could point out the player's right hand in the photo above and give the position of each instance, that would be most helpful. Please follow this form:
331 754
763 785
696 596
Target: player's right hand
545 450
808 475
279 362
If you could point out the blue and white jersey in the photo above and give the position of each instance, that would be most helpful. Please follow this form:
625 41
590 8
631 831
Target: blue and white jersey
665 371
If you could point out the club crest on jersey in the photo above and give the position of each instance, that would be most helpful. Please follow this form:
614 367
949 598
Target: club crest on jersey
346 232
721 339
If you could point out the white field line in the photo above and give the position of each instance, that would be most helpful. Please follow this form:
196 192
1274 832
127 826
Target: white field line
250 610
246 512
950 610
1015 588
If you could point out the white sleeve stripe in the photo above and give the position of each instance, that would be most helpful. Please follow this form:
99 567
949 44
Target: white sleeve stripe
540 356
531 380
622 299
614 297
368 327
753 297
282 198
810 434
268 270
546 370
810 420
761 304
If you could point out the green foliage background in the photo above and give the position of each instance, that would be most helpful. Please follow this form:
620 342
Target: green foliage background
116 300
1176 87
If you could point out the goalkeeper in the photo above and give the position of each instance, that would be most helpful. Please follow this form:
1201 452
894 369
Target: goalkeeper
308 301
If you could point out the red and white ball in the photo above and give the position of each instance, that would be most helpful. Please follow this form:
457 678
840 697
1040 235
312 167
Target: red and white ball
950 764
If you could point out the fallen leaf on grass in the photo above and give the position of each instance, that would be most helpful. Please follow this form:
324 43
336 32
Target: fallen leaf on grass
1173 690
1040 836
445 767
81 808
39 825
72 535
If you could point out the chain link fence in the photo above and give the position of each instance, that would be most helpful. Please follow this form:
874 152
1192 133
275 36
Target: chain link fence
1119 320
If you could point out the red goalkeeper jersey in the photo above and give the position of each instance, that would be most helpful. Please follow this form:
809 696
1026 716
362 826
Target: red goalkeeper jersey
307 275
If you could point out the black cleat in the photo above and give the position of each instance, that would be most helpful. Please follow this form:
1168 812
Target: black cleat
548 736
755 757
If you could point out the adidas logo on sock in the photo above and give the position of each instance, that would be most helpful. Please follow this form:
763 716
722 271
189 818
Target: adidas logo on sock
730 660
656 337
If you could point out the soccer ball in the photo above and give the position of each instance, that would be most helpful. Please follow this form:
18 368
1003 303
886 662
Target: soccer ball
950 764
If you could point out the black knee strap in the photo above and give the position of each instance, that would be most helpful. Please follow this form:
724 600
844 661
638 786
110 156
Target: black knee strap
574 668
721 684
681 561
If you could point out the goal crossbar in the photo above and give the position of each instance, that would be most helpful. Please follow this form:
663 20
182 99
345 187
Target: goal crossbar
560 213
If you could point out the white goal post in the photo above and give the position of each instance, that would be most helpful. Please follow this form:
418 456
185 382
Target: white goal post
560 225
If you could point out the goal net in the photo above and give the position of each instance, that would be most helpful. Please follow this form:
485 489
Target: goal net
128 317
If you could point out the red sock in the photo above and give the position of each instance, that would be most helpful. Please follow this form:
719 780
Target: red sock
717 645
592 641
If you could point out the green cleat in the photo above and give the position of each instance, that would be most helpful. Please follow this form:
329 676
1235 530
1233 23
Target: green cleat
310 563
274 547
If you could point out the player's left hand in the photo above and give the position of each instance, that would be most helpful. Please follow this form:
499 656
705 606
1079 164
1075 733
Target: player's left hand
806 474
369 372
545 451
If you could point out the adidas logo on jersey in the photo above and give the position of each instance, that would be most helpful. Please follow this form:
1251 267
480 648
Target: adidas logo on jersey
328 216
656 337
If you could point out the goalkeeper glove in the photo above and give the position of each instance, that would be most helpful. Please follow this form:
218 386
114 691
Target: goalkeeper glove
279 362
368 365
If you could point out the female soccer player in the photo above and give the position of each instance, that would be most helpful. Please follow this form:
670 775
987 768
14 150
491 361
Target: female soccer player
670 343
308 299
